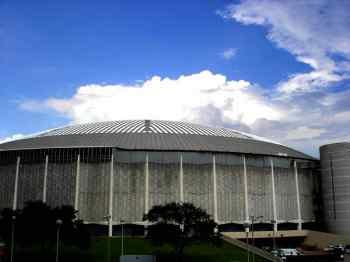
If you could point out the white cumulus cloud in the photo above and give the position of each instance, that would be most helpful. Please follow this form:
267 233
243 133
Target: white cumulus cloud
201 97
305 121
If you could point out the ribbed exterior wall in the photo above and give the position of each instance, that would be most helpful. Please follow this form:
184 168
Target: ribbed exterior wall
286 195
129 186
7 179
61 179
198 180
93 188
307 190
230 192
335 168
164 177
259 187
100 182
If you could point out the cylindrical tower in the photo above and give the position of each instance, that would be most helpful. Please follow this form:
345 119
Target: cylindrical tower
335 165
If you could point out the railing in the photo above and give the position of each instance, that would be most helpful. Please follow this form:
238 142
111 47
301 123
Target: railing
252 249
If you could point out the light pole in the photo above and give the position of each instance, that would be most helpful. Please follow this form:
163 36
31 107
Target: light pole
108 218
109 239
122 228
246 227
253 218
58 223
13 223
273 234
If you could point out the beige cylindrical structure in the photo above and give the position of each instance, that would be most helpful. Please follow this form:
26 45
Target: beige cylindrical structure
335 168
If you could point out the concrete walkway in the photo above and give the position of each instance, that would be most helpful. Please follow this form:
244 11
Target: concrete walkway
267 234
251 249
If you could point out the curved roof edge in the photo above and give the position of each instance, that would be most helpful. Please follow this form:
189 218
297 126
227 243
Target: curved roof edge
161 142
337 145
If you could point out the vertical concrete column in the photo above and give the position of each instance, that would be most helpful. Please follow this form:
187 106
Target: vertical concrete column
215 191
298 195
77 184
111 191
245 181
16 184
181 181
45 177
146 185
274 206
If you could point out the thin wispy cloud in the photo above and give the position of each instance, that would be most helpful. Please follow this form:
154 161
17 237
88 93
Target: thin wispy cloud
11 138
313 31
229 53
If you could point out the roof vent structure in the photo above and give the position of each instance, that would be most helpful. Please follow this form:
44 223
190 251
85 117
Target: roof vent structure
147 126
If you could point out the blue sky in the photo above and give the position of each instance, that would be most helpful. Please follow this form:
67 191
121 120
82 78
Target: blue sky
54 52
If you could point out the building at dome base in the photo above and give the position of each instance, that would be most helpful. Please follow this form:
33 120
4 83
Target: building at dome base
121 169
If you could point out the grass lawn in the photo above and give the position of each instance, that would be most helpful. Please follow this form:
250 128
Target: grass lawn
198 252
105 249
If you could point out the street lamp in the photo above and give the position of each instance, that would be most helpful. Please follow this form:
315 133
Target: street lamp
58 223
246 227
13 223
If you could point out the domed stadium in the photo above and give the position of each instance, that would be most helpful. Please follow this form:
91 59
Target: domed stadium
118 170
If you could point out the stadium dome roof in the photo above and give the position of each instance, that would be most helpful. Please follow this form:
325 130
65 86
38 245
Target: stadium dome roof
153 135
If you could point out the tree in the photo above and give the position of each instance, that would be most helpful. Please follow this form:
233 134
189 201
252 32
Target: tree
73 230
180 225
36 224
67 214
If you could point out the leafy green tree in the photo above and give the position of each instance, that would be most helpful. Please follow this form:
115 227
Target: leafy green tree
36 224
180 225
